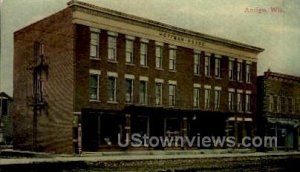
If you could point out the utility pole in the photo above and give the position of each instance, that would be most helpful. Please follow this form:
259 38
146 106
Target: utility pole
39 72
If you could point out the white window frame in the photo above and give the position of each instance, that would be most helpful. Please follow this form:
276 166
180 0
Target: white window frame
95 43
271 103
239 100
218 66
248 73
115 76
144 100
172 97
197 63
207 64
158 98
129 49
158 55
172 57
218 91
144 52
112 45
231 69
129 77
97 73
231 101
196 93
207 97
248 101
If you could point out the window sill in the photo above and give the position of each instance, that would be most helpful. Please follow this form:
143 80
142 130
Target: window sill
159 69
128 103
173 71
129 64
217 77
94 58
207 76
248 82
197 74
113 61
248 112
112 102
94 101
142 66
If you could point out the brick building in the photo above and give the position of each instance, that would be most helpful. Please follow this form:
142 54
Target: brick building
5 119
85 74
279 108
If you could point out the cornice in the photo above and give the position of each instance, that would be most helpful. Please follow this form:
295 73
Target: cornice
139 21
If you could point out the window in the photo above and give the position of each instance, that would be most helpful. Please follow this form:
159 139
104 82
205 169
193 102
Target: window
231 65
207 97
197 63
218 68
196 96
207 65
143 92
172 59
94 86
276 104
271 103
248 73
239 71
248 102
231 100
158 93
112 48
217 98
239 102
158 59
94 45
283 104
291 105
129 51
143 58
172 94
4 106
112 89
129 90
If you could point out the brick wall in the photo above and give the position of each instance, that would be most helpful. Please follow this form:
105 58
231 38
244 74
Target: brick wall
55 123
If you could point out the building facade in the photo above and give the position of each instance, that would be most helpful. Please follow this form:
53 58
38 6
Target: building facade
279 108
5 119
86 74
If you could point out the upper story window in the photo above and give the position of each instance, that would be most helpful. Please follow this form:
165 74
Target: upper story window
283 104
217 97
172 58
112 46
143 90
158 55
218 67
231 104
112 86
129 79
4 106
291 105
276 103
207 64
248 101
239 71
207 94
143 52
158 91
94 43
94 84
197 95
271 103
129 49
231 67
239 100
248 73
172 94
197 56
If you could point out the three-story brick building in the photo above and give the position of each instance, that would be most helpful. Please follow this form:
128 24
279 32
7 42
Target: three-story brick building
95 73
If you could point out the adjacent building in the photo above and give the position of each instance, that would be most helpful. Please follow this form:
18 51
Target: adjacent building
5 119
279 108
86 73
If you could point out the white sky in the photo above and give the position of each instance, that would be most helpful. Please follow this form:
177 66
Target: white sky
277 33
